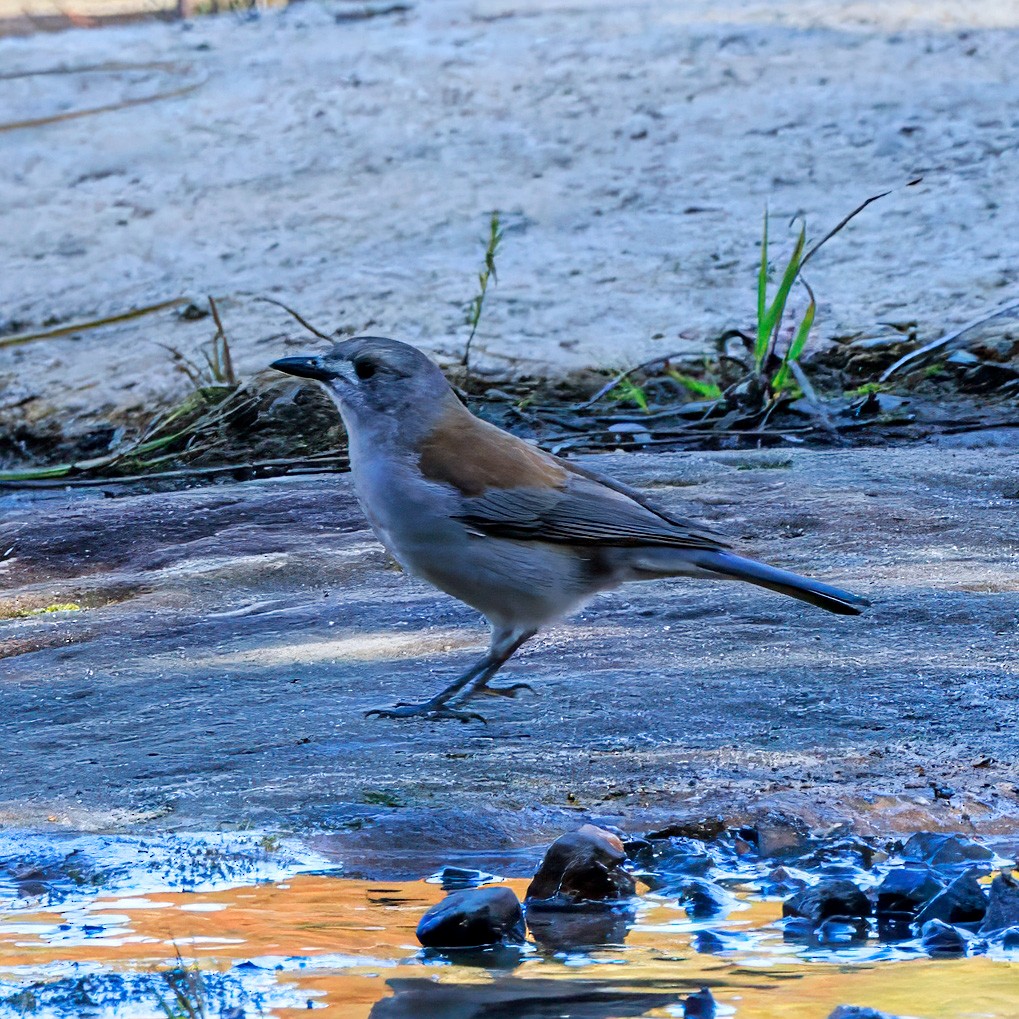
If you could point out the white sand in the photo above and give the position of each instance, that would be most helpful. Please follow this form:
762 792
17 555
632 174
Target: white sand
349 168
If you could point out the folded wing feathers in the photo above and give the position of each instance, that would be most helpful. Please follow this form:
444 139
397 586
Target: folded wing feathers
584 511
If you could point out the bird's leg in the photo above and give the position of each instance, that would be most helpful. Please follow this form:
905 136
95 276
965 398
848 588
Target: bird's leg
505 643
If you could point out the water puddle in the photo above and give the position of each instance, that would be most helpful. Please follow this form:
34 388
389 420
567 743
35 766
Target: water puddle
268 930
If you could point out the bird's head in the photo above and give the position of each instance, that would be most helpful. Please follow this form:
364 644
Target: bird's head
373 379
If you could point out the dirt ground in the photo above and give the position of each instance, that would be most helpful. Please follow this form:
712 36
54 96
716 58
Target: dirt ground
229 640
349 166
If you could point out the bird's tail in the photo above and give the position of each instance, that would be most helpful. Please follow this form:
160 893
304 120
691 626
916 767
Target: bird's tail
725 564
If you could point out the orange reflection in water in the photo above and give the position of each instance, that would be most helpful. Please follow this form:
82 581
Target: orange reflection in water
370 927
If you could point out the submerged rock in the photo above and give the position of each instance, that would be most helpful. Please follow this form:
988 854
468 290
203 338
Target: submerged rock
582 866
963 901
829 899
457 878
700 1005
1002 905
559 930
841 931
940 938
712 942
859 1012
475 918
940 850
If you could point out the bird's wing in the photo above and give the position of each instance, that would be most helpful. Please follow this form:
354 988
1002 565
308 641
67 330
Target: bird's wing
583 510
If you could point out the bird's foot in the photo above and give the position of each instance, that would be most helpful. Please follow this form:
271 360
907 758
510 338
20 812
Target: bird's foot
432 711
510 690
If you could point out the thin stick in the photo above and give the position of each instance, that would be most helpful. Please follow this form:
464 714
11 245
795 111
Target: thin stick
96 323
863 205
124 104
293 314
320 463
945 340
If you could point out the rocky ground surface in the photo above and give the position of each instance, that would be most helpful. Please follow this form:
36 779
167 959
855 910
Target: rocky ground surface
348 165
229 639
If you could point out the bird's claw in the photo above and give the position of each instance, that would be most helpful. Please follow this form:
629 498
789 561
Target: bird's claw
427 710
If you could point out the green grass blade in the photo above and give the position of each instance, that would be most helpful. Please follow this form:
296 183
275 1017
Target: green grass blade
773 316
796 347
698 387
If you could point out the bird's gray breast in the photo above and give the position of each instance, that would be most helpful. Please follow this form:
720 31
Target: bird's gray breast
511 582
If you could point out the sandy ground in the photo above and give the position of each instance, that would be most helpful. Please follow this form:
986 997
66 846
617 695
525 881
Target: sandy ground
349 168
230 639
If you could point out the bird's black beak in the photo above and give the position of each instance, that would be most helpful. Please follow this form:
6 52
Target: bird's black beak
304 367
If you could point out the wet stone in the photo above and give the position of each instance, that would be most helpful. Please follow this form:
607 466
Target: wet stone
1010 939
940 850
963 901
580 867
783 881
941 939
905 891
1002 904
702 899
778 836
676 855
475 918
826 900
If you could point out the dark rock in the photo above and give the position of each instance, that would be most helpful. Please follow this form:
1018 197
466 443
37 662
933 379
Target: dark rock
963 901
1002 905
700 1005
940 938
835 857
1010 939
582 866
703 829
636 847
474 918
781 836
905 891
783 881
859 1012
828 899
940 850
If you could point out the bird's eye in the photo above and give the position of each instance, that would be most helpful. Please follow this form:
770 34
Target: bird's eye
364 369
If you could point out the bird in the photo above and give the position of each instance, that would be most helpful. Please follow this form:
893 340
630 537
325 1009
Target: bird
519 534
